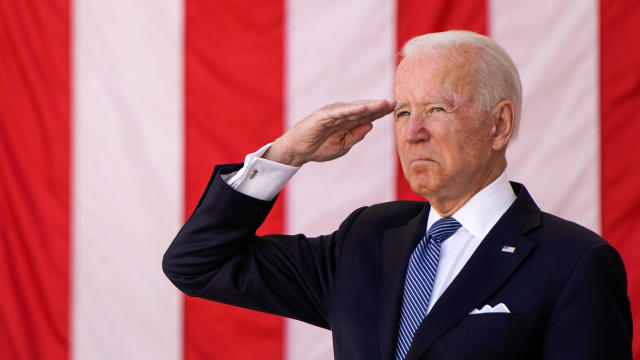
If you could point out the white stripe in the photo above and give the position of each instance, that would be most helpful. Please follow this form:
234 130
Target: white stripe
337 51
557 152
127 178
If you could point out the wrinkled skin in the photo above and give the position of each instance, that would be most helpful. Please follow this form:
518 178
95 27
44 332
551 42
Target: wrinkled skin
449 146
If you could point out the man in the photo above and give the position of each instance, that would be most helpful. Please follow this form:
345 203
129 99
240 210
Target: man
476 272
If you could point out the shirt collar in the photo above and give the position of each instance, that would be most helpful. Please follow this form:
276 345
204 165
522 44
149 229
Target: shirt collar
484 209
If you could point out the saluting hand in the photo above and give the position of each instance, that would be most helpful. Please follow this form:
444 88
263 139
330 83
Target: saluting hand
327 133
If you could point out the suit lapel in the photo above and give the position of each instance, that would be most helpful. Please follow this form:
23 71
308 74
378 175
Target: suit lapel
397 245
487 269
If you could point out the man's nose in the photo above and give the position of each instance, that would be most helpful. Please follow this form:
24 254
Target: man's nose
415 130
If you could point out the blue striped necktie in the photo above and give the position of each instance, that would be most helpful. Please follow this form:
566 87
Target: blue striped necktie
419 281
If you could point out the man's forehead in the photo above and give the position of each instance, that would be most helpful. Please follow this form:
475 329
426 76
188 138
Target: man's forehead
431 76
454 61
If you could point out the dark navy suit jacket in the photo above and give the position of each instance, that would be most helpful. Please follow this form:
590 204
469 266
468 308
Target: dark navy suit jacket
564 285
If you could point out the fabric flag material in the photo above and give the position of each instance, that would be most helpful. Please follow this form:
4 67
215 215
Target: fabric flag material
113 114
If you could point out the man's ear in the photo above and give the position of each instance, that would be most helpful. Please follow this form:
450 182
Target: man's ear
503 121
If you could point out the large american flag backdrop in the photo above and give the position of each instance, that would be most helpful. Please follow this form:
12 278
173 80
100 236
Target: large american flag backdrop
114 112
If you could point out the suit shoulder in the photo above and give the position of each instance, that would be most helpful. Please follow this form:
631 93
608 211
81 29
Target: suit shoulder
567 234
392 213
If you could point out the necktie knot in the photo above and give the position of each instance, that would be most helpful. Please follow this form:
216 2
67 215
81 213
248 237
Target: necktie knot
442 229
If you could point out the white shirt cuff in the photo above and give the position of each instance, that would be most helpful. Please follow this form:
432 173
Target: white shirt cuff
260 178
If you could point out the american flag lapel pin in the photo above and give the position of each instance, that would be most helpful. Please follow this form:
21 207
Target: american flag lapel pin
508 249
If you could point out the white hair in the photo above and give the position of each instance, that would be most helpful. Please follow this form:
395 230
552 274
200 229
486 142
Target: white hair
498 77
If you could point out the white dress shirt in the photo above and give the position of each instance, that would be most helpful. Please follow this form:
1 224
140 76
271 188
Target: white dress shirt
260 178
263 179
477 216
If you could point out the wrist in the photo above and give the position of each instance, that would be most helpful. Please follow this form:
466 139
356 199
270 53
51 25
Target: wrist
279 153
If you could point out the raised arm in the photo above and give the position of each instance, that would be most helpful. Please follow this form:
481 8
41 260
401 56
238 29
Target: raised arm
217 256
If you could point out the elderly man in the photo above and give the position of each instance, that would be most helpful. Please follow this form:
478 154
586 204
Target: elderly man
478 271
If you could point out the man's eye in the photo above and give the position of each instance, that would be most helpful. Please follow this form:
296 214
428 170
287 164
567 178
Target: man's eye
437 109
403 113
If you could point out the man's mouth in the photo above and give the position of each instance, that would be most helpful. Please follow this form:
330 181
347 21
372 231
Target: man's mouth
421 160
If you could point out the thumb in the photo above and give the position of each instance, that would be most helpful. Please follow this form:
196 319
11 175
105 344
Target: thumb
357 133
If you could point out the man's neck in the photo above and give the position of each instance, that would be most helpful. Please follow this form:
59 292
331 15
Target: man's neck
447 206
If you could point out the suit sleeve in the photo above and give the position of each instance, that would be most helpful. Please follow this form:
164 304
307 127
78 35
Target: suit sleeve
592 317
217 256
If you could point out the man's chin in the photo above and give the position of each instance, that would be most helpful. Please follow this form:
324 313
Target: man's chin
421 188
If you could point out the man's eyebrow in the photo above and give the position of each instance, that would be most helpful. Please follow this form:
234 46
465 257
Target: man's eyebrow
426 102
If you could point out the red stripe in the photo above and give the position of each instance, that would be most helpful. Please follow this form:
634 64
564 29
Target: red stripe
234 55
417 17
34 179
620 131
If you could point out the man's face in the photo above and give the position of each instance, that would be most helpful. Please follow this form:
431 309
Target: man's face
442 133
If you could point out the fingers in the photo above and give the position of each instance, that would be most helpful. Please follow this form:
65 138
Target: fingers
356 134
361 107
350 115
329 132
